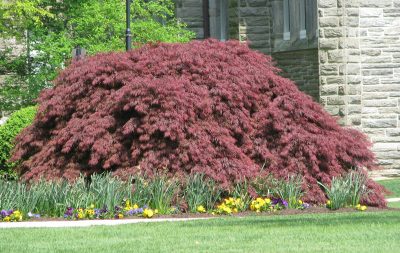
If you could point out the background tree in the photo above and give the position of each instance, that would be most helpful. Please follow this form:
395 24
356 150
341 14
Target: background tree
50 29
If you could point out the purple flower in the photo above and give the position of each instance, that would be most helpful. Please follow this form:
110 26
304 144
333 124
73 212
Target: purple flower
69 212
279 201
104 210
4 213
134 211
33 215
305 205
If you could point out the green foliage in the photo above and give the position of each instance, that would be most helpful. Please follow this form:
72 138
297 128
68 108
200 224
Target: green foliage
337 193
162 192
290 190
346 191
8 131
54 28
241 190
200 191
51 198
10 64
358 189
264 185
21 15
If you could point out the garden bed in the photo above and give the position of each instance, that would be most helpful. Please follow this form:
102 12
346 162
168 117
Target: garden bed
109 198
311 210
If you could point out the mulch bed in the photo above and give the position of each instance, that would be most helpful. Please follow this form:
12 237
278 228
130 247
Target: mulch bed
311 210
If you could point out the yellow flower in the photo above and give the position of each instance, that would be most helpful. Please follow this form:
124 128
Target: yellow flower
227 210
300 202
267 200
328 203
120 216
235 210
260 201
135 206
7 218
16 216
361 207
92 206
155 211
229 201
148 213
238 202
80 215
201 209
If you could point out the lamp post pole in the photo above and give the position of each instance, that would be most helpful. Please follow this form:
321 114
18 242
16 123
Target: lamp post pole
128 41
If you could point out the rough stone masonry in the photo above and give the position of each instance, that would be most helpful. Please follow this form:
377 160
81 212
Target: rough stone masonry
359 68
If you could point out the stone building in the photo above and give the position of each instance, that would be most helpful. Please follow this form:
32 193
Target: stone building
344 53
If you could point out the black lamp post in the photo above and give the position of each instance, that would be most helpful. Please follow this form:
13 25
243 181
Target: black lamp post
128 26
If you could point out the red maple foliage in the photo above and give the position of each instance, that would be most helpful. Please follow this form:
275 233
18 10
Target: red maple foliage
211 107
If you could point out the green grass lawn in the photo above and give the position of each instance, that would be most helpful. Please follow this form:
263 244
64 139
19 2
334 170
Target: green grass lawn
392 185
394 204
333 232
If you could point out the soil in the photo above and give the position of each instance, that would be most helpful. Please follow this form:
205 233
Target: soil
310 210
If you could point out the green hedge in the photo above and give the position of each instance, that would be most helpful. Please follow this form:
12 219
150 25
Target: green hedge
8 131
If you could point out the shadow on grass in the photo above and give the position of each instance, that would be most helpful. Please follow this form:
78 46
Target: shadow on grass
392 217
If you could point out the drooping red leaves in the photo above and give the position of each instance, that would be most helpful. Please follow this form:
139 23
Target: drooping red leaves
211 107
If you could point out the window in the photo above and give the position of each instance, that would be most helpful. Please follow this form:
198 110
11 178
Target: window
302 9
218 11
286 20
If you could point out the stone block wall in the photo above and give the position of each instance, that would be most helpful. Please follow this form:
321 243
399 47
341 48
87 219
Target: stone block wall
255 24
339 59
302 67
261 26
191 13
380 69
359 56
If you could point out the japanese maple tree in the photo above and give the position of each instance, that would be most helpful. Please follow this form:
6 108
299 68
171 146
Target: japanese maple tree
205 106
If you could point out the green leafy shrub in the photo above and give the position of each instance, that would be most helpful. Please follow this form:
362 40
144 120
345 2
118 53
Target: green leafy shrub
52 198
264 185
241 190
162 192
358 188
290 190
54 28
8 131
347 190
200 191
